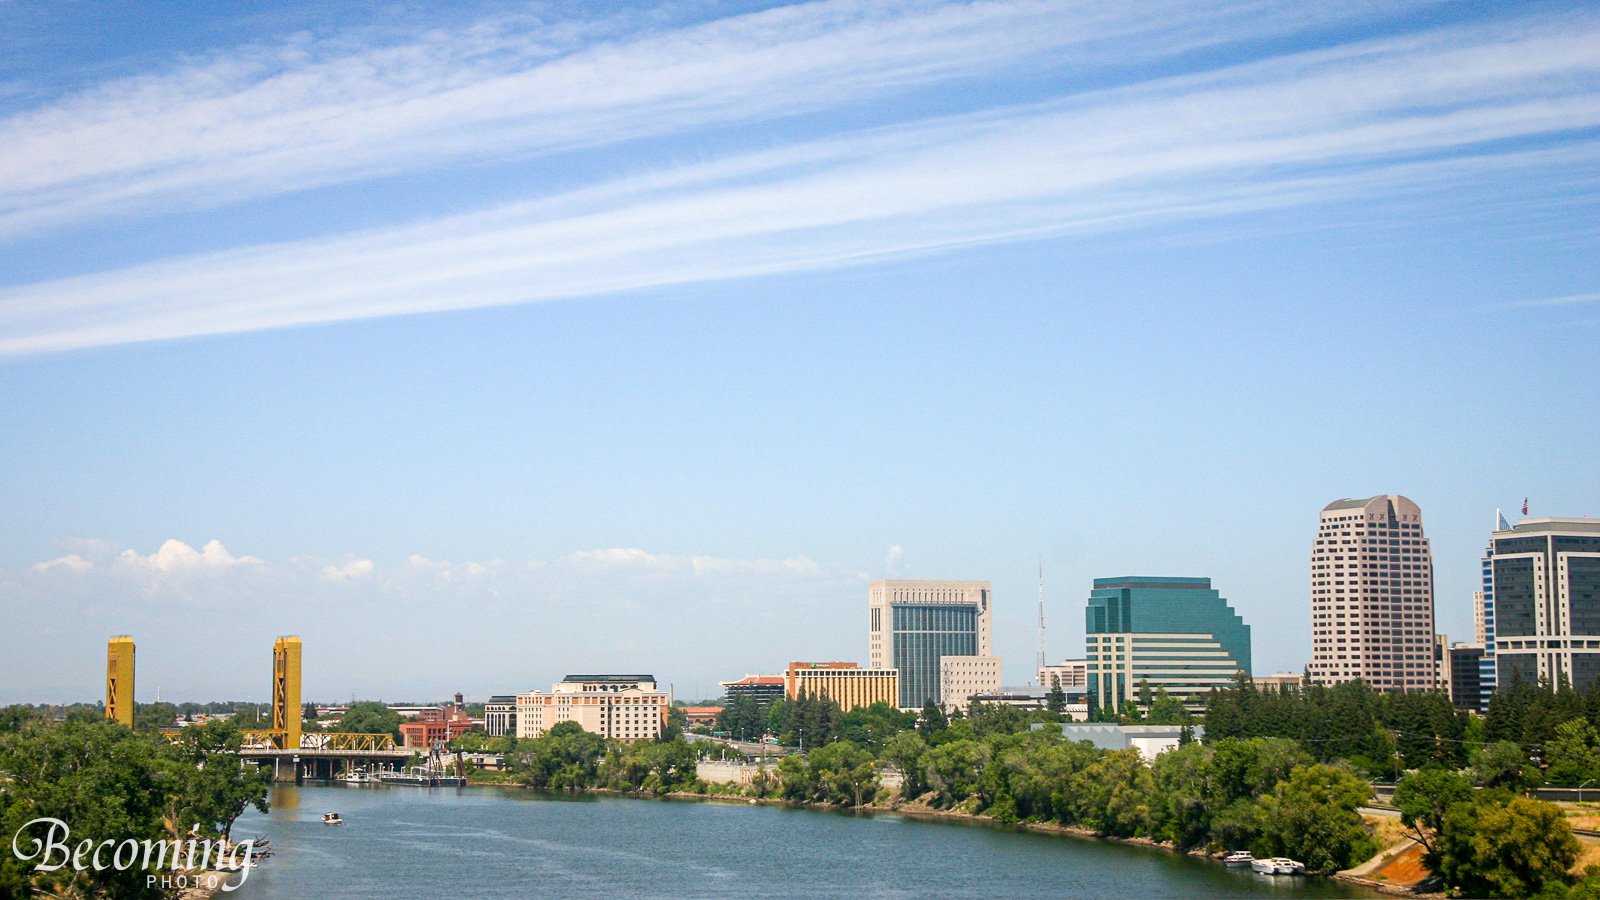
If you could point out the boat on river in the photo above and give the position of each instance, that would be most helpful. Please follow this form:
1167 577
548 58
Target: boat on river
359 776
1239 858
1278 865
421 776
331 818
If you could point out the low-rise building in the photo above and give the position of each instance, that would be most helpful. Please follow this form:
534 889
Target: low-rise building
1280 682
763 689
1149 740
1067 674
621 707
426 734
500 715
701 715
960 677
845 683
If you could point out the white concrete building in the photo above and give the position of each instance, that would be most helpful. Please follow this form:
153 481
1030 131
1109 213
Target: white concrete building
623 707
962 676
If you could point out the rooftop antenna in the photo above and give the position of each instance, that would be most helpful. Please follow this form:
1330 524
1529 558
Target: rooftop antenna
1040 667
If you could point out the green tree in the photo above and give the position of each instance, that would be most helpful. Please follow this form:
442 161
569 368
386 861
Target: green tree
932 721
1055 699
1492 847
370 717
1573 754
1114 794
904 751
1313 817
952 769
843 773
1504 764
1424 797
153 716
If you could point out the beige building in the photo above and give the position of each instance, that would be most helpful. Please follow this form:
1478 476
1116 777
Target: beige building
1372 596
1067 674
845 683
962 676
1279 683
914 624
623 707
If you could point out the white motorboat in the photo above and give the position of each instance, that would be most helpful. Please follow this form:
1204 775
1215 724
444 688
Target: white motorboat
1278 865
1239 858
359 776
332 818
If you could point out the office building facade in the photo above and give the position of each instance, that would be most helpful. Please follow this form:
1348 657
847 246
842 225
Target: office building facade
763 689
623 707
914 624
845 683
1177 634
1372 596
1546 589
500 715
960 677
1067 674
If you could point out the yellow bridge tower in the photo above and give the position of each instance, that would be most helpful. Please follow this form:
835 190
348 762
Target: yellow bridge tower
119 679
286 709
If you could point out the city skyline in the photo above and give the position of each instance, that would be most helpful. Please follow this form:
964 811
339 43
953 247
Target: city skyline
644 340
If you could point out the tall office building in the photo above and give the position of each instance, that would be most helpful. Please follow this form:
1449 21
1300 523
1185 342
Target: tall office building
1483 619
1545 577
916 623
1173 633
1372 596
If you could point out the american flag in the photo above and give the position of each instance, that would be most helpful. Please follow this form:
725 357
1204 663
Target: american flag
1524 505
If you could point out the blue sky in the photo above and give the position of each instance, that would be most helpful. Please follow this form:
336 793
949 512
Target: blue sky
483 345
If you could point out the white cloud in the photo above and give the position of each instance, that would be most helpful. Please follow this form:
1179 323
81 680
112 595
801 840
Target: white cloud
1376 120
640 560
1568 300
176 556
893 559
268 119
350 569
72 562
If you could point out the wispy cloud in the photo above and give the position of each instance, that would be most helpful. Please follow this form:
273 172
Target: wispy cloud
263 120
1431 111
1568 300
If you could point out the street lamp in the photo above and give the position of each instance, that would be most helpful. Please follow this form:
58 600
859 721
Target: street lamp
1581 787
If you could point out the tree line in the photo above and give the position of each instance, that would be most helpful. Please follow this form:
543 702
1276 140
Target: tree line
110 782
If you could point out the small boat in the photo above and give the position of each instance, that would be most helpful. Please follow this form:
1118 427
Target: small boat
1239 858
331 818
359 776
1278 865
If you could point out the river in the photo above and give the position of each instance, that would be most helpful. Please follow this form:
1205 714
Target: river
484 842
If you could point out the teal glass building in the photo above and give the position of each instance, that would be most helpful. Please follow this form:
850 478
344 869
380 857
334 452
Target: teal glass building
1174 633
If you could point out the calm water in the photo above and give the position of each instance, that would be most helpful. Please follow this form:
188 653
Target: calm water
482 842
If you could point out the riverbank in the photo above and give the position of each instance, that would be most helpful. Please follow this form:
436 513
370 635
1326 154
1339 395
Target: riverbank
912 809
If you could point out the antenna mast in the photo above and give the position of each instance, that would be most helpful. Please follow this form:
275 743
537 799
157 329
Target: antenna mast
1040 667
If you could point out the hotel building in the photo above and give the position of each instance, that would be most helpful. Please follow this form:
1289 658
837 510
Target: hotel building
845 683
623 707
1372 596
1546 601
914 624
1173 633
